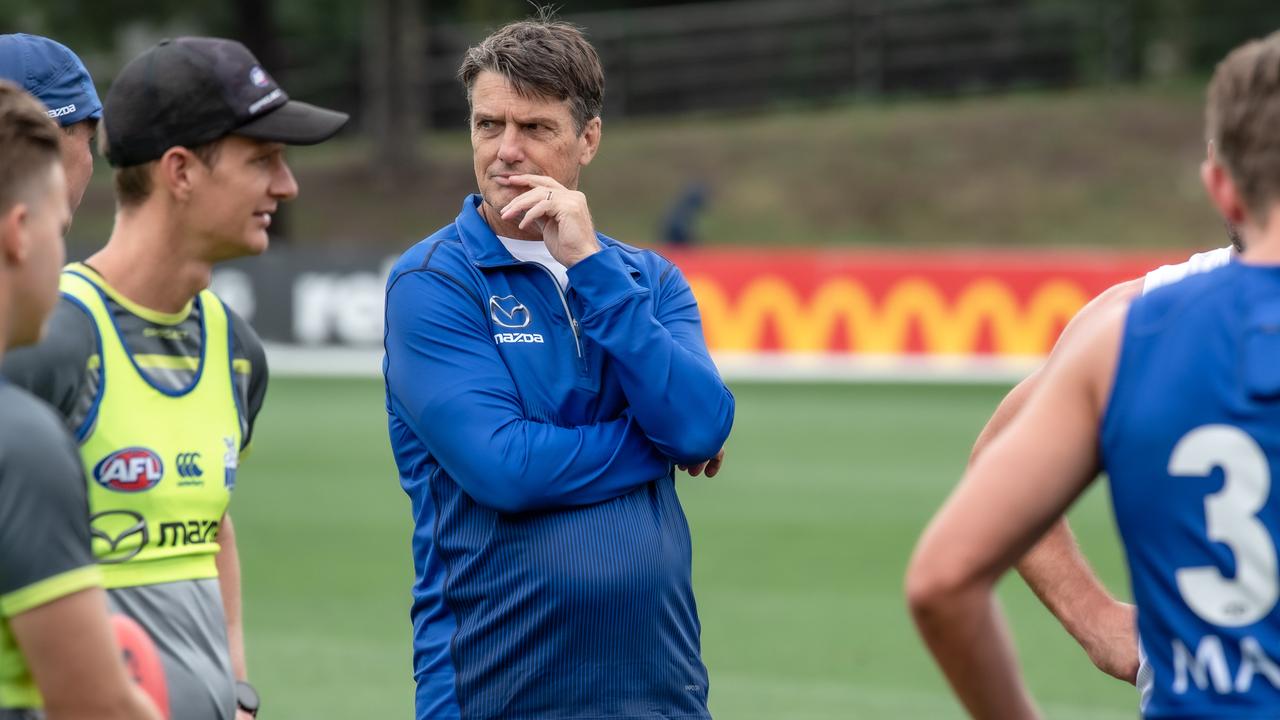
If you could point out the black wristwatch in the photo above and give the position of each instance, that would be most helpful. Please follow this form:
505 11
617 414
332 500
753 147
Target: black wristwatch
247 698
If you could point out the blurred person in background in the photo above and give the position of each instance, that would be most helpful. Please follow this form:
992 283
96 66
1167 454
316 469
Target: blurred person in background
543 383
56 76
159 381
1173 393
58 654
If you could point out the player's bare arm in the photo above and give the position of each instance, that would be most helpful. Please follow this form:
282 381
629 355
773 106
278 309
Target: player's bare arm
1011 495
72 654
1054 568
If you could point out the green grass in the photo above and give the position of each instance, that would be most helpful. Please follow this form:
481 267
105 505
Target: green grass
799 550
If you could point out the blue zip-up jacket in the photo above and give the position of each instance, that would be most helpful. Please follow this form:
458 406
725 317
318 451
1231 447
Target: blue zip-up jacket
536 431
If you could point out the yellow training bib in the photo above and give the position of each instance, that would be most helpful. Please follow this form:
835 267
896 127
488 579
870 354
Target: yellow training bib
160 464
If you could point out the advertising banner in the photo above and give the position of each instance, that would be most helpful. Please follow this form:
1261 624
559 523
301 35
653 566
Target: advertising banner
771 313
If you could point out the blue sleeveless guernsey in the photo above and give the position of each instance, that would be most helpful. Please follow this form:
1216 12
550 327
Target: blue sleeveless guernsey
1191 441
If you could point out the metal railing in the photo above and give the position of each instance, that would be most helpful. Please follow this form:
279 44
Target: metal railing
759 53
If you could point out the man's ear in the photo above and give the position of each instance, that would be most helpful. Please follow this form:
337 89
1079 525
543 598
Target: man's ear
591 141
1223 191
178 171
15 242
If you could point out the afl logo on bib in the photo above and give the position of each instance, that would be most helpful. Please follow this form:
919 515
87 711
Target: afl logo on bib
133 469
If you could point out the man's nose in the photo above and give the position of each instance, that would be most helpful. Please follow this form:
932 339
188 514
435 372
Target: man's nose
283 185
511 149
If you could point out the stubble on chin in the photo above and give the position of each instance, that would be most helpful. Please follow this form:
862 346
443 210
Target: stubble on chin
496 197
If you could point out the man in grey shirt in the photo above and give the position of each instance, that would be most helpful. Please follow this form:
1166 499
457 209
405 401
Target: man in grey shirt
56 644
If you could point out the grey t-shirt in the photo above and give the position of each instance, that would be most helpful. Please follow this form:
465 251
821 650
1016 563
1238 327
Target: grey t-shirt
186 621
43 500
43 506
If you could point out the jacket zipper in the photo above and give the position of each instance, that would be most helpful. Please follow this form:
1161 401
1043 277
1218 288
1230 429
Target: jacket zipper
564 302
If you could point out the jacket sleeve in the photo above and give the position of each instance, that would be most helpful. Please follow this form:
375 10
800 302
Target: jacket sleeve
446 380
655 341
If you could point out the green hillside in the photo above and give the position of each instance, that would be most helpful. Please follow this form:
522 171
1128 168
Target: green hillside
1112 168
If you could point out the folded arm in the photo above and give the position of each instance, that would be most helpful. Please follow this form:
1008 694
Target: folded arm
446 380
654 338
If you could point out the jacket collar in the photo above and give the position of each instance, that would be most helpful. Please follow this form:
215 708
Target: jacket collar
482 245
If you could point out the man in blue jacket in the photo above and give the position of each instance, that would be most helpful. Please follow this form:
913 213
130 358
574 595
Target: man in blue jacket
543 383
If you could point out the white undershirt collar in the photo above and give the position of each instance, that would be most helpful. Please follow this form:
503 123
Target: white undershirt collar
536 251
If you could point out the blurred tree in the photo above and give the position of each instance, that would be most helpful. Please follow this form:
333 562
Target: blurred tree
394 92
254 24
1217 26
1168 37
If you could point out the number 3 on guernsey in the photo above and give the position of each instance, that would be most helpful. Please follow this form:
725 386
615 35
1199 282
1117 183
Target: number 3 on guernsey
1231 516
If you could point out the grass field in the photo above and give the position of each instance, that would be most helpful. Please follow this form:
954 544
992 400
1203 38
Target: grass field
799 549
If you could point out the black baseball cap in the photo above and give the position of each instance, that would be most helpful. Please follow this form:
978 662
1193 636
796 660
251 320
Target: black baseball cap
190 91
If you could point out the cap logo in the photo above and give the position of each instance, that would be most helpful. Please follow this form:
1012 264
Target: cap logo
258 77
64 110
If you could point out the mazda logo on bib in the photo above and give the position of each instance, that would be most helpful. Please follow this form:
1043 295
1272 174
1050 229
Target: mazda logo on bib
118 535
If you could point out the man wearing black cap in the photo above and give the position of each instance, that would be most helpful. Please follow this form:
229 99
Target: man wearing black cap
56 77
158 379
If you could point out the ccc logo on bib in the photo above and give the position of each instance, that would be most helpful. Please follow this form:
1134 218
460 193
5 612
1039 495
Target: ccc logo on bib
132 469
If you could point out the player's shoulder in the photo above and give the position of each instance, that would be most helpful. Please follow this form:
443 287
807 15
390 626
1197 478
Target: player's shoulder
1120 294
29 427
441 250
70 339
1198 263
70 329
1180 301
247 342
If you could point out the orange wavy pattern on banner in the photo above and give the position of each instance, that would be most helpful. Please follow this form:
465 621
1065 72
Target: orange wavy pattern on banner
946 326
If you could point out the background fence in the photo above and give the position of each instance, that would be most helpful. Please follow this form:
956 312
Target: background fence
740 55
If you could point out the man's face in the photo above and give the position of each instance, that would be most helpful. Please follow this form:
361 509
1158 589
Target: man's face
77 158
514 135
35 277
231 203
